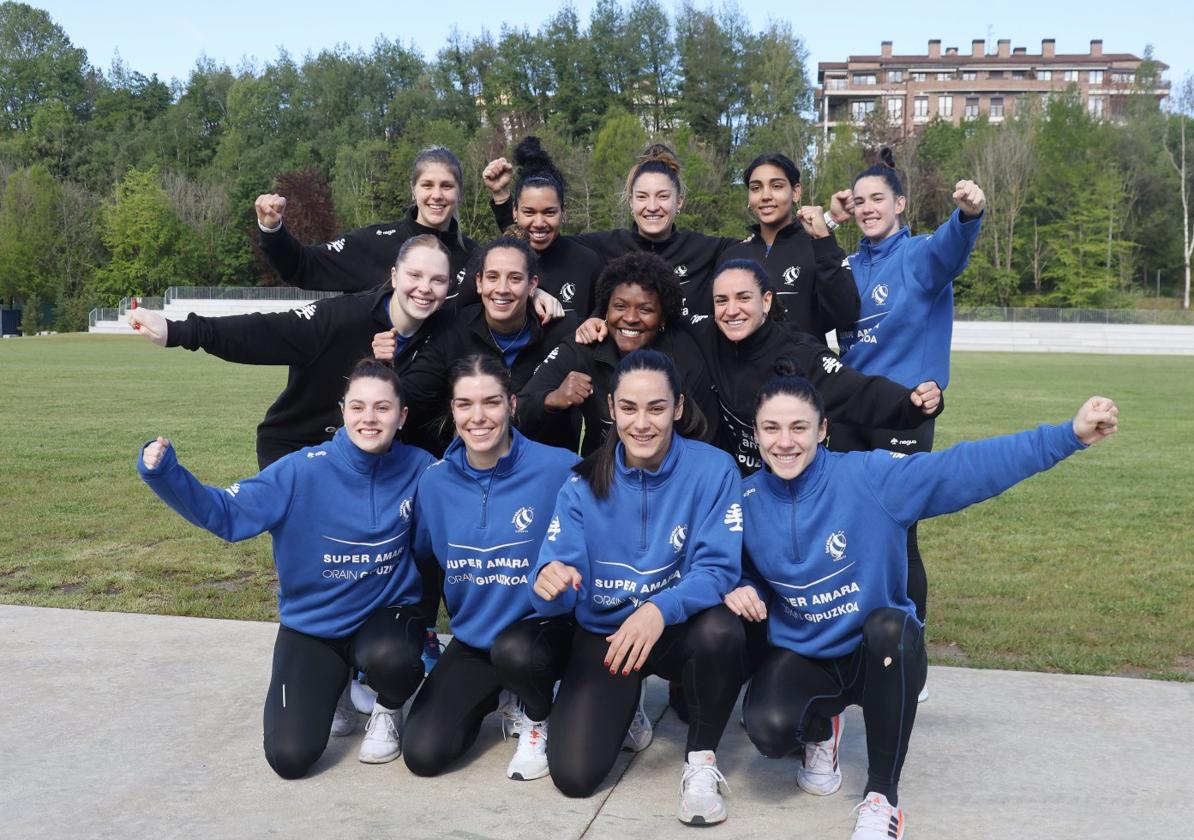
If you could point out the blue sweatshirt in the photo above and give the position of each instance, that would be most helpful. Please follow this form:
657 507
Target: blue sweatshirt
340 522
906 318
672 537
485 528
829 547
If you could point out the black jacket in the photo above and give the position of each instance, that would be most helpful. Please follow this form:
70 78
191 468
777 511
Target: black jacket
810 277
426 378
320 342
740 370
693 256
538 422
362 258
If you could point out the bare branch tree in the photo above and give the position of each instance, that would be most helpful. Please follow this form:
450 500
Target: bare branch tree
1181 110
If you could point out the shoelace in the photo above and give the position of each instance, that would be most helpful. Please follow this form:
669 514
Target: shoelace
873 815
511 713
391 728
702 778
821 760
530 740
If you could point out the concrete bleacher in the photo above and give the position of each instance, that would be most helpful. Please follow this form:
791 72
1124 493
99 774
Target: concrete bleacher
1120 339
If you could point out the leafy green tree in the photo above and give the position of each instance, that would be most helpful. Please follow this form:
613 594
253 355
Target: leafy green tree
30 236
619 141
38 63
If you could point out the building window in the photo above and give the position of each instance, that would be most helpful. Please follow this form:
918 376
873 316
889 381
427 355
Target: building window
920 106
864 78
895 109
1095 105
859 108
920 77
1096 77
1044 75
971 107
944 77
995 74
1019 74
996 110
969 75
1129 78
895 75
837 84
945 106
1071 75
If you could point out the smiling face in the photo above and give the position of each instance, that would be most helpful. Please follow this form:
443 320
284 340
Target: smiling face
770 196
505 288
739 308
654 203
788 430
540 214
481 412
634 317
420 283
372 414
877 208
644 411
435 193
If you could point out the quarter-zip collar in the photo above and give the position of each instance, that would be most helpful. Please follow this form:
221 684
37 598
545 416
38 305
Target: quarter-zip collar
654 245
358 459
754 345
457 455
450 237
875 252
803 486
647 479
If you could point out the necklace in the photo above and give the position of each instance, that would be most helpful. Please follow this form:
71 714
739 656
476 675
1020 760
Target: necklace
510 342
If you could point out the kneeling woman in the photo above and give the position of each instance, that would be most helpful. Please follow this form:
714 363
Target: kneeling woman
827 568
483 511
339 516
645 542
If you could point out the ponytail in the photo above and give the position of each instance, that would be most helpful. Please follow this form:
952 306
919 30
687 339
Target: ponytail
656 158
885 168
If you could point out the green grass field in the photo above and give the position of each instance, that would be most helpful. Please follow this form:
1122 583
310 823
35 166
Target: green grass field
1088 568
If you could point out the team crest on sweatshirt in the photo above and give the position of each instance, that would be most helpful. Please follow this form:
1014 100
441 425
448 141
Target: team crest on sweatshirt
835 546
523 518
679 535
405 507
879 294
791 275
567 292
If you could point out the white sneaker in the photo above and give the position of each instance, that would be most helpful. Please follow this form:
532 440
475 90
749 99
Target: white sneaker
878 820
344 721
639 735
530 759
363 697
820 774
510 709
383 736
923 697
700 799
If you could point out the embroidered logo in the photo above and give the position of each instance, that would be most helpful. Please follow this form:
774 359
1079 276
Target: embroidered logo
791 275
734 517
389 232
681 271
336 246
835 546
555 352
879 294
679 535
405 507
568 292
233 490
831 364
553 529
523 519
318 454
307 311
750 491
460 275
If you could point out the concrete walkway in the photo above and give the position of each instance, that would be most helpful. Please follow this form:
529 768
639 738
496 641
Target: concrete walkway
132 726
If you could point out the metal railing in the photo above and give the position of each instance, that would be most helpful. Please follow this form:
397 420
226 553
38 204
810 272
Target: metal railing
1048 315
244 293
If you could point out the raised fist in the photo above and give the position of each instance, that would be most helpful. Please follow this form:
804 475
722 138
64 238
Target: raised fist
969 198
270 208
497 176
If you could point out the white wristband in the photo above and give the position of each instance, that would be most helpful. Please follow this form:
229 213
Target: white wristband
278 227
830 222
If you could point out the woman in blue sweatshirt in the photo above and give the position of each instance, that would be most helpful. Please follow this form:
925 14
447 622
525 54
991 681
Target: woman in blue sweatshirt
482 511
339 514
644 544
905 324
826 568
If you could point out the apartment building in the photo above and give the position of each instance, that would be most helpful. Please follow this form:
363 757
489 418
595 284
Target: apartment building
913 89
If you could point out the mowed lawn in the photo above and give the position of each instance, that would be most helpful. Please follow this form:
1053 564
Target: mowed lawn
1088 568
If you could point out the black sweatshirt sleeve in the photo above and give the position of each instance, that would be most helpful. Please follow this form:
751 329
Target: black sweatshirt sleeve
535 419
503 214
854 397
837 294
296 337
342 265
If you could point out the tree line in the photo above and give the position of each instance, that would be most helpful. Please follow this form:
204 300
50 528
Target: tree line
114 183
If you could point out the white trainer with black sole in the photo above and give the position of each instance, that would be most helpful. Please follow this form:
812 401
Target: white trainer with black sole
820 774
383 736
530 759
510 711
641 732
344 721
878 819
700 798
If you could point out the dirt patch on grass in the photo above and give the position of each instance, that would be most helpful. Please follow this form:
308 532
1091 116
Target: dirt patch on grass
949 654
13 572
69 588
229 584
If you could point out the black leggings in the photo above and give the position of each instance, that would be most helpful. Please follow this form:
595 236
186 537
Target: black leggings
594 707
309 674
844 437
792 697
526 658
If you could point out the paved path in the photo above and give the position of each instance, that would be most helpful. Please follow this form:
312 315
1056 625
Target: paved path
131 726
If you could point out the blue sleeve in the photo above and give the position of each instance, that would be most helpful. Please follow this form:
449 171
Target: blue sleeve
421 544
948 251
750 577
565 541
934 483
245 509
715 555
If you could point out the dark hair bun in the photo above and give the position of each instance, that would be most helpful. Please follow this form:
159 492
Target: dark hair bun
530 156
785 366
887 157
